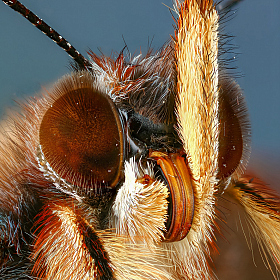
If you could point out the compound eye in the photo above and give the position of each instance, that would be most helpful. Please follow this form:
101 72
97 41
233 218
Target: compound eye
81 138
234 130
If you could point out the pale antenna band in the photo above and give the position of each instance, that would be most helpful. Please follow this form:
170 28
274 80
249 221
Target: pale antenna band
47 30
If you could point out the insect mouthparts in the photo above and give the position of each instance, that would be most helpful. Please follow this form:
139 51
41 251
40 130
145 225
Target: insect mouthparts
118 171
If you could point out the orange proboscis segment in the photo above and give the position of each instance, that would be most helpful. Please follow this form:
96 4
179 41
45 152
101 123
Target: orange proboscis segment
174 168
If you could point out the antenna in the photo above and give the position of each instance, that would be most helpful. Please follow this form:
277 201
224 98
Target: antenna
227 5
82 62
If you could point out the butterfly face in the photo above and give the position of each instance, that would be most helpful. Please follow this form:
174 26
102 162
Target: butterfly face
116 171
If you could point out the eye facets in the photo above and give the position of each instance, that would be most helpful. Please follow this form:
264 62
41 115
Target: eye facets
81 138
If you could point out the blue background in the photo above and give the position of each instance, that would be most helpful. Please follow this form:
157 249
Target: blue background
30 60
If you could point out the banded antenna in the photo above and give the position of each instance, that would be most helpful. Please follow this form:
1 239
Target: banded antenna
227 5
82 62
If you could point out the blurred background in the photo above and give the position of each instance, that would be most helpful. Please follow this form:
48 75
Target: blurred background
30 60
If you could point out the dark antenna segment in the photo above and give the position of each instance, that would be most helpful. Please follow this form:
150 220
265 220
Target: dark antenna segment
51 33
227 5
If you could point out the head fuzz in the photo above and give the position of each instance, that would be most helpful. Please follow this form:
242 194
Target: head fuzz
140 207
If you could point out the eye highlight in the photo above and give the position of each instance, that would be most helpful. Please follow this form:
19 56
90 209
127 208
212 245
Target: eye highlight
81 136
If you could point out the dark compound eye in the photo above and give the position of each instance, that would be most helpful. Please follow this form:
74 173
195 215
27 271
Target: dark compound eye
81 137
234 135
